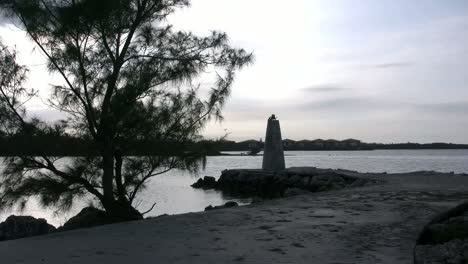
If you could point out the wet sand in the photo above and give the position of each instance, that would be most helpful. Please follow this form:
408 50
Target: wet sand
373 224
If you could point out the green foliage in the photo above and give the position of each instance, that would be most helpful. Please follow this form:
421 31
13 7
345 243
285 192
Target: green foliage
127 75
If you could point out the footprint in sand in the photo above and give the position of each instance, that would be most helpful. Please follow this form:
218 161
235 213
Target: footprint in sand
322 216
265 227
240 258
278 250
264 239
296 244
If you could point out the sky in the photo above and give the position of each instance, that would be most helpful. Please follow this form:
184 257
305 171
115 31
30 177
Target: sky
379 71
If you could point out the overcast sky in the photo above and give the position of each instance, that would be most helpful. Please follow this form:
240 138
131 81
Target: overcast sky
379 71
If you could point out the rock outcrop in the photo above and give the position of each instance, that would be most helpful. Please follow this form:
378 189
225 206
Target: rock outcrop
88 217
16 227
445 238
271 184
294 192
206 183
226 205
452 252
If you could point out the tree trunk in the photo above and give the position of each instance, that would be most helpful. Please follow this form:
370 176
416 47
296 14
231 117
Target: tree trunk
118 175
117 208
120 211
108 170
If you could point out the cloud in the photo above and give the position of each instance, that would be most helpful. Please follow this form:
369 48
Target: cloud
4 18
400 64
370 105
46 114
326 88
460 107
345 104
249 109
3 21
302 107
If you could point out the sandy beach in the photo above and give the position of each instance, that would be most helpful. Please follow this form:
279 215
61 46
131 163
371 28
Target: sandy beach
372 224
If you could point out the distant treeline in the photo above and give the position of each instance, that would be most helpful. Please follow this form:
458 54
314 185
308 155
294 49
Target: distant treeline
71 146
331 144
418 146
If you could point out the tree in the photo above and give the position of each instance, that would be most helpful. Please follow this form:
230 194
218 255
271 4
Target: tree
127 75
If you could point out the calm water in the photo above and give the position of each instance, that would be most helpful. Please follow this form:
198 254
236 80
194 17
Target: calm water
173 194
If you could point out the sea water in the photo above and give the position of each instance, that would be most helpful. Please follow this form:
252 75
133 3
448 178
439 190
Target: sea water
173 195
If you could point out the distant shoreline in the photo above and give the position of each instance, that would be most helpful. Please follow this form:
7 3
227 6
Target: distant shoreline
71 146
332 145
244 152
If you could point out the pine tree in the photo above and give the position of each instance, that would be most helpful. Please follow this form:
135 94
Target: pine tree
127 75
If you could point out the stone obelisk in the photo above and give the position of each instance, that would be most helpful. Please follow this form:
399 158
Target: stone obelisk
273 155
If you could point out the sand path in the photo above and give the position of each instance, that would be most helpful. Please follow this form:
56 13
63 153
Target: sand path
376 224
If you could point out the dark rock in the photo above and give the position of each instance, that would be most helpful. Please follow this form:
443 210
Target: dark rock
209 208
273 184
326 182
305 181
257 199
16 227
206 183
231 204
88 217
226 205
455 228
198 184
359 182
451 224
452 252
294 180
294 192
445 238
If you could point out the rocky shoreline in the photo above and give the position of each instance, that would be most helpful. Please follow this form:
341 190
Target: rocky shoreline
378 222
258 184
16 227
276 184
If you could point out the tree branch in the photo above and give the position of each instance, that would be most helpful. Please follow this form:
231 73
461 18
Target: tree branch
149 210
